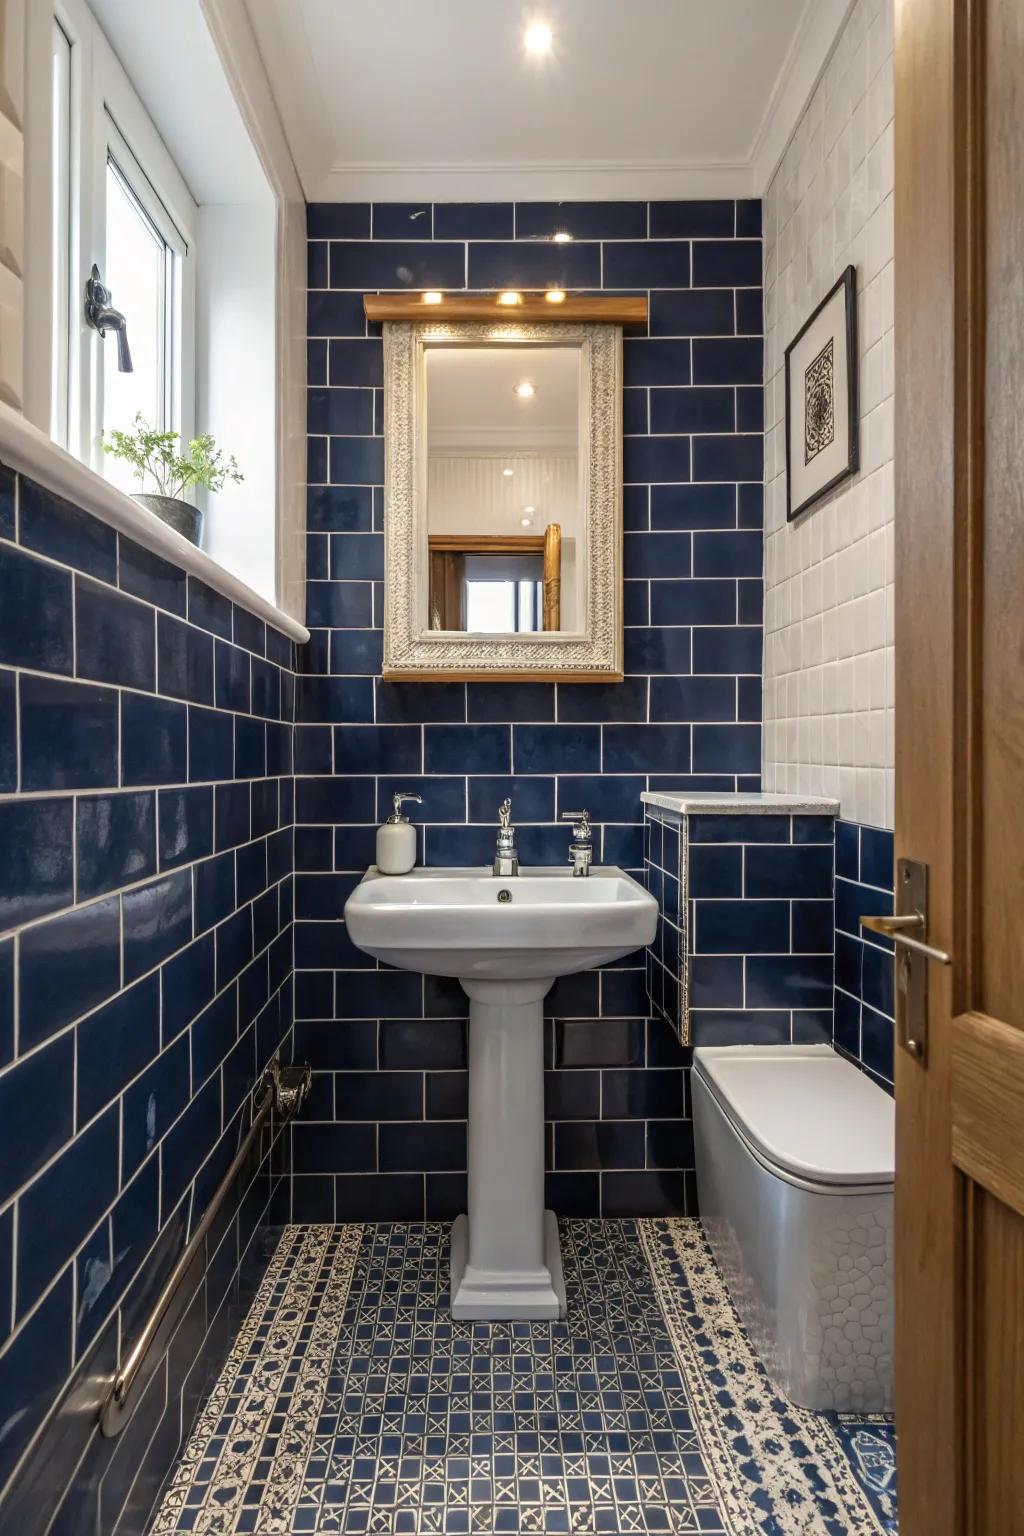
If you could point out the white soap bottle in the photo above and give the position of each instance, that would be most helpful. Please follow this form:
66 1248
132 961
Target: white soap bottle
396 840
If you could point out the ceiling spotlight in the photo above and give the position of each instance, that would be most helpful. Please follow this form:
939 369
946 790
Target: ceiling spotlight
561 237
508 473
555 295
529 511
510 297
524 389
433 297
526 522
538 38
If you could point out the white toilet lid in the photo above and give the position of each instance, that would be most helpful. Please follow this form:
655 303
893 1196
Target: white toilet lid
805 1110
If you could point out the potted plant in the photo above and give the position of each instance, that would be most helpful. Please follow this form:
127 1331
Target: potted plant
173 469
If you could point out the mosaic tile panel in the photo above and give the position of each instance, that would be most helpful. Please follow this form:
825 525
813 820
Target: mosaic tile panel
353 1403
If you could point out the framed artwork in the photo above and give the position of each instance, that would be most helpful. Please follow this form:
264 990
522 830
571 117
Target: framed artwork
821 399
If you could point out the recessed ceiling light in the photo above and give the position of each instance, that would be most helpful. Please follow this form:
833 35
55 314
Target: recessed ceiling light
508 473
433 297
529 511
510 297
524 389
526 522
555 295
561 237
538 38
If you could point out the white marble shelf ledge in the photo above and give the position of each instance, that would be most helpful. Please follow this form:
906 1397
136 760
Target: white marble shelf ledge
740 804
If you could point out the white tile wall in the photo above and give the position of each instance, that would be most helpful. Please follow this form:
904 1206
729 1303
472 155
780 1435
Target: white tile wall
828 704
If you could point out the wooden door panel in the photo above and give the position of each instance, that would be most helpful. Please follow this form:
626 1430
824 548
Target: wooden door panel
988 1106
994 1366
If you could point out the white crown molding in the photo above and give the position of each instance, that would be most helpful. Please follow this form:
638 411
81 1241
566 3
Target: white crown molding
476 181
811 47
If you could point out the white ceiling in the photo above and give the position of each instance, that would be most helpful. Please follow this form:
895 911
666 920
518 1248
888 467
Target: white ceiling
438 99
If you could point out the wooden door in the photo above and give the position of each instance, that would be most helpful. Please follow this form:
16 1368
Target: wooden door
960 759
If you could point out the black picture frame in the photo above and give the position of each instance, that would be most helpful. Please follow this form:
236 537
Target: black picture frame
847 281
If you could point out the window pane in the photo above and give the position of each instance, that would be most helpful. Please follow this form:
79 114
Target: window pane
491 607
136 274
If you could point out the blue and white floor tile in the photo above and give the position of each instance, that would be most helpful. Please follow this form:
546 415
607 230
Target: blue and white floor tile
353 1403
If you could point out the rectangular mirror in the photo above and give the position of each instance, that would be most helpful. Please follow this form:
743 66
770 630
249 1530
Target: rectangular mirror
502 515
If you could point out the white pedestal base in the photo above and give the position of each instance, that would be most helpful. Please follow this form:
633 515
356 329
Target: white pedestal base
506 1263
502 1295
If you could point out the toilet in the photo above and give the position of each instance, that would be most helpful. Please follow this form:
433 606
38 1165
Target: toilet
795 1170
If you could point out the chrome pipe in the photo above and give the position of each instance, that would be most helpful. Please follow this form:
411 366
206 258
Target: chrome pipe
284 1090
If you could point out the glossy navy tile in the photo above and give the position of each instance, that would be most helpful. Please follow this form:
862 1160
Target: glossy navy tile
154 740
398 221
338 221
724 361
473 221
387 264
656 362
157 921
66 966
144 574
339 509
356 362
184 661
728 458
523 265
115 842
187 984
114 636
791 872
185 825
693 601
33 1370
8 492
69 734
727 650
726 749
35 859
35 601
115 1044
711 313
211 744
694 218
658 650
51 526
646 264
209 609
356 461
37 1111
733 262
656 458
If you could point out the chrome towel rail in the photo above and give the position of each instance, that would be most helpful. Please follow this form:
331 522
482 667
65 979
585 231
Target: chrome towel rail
281 1091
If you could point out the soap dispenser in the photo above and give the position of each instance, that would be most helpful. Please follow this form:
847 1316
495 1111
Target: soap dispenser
396 840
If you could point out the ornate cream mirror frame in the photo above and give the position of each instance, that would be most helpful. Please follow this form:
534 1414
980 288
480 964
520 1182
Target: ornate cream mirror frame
412 651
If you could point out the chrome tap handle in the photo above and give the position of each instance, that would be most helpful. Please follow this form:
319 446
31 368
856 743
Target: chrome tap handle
581 849
506 855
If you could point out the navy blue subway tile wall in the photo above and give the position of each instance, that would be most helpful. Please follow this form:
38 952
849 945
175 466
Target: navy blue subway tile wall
146 890
745 938
386 1133
865 1005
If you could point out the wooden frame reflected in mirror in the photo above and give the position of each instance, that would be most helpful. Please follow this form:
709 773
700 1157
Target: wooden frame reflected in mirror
448 551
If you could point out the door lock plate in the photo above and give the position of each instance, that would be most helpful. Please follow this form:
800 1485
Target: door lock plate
911 964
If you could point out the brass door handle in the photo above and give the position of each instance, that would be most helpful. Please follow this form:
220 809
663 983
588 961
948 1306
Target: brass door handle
900 929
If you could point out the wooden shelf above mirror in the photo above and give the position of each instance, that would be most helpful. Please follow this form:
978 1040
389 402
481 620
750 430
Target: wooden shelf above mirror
594 309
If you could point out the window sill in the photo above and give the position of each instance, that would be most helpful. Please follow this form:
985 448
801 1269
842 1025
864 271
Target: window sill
23 447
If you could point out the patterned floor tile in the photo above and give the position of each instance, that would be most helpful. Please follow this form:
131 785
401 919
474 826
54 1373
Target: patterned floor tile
353 1403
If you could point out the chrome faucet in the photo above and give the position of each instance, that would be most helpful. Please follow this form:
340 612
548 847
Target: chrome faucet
581 849
506 855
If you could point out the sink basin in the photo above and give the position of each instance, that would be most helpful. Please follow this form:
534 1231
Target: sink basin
506 940
470 923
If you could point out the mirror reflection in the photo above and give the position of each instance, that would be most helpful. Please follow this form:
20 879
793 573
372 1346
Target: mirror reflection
505 523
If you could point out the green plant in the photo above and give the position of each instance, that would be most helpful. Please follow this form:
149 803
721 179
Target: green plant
157 455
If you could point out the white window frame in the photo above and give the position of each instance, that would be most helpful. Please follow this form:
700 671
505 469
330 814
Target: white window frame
108 121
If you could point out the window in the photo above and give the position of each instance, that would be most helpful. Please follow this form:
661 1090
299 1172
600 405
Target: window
120 204
143 272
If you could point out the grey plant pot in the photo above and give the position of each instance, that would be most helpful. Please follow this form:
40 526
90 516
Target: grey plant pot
186 520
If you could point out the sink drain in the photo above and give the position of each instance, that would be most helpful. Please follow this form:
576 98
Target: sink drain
504 895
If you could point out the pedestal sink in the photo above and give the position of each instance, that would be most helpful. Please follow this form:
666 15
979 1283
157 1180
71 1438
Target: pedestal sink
506 940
